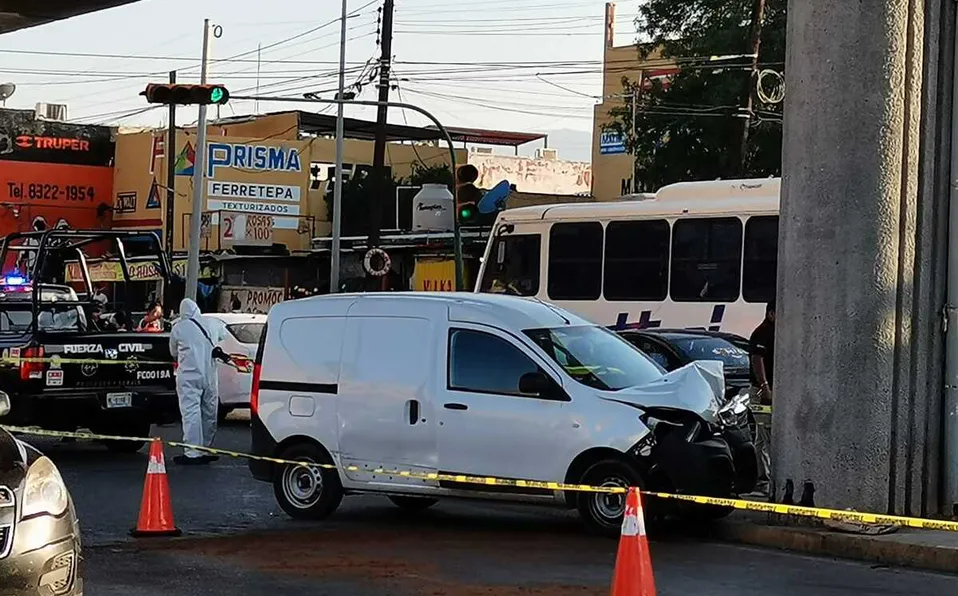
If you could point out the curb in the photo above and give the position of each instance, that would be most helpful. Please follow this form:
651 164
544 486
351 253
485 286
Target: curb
902 549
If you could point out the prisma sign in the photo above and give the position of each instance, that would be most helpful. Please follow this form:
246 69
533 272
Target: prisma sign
251 157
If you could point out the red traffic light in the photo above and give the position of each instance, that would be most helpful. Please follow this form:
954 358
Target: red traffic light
186 94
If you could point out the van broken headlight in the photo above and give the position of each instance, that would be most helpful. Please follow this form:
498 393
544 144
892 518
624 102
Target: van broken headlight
45 491
729 414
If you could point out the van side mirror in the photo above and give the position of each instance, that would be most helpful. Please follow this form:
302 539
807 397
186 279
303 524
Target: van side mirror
538 383
4 404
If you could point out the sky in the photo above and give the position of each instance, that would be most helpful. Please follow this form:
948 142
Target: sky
522 65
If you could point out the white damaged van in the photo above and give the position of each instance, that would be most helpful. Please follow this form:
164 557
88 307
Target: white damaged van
478 385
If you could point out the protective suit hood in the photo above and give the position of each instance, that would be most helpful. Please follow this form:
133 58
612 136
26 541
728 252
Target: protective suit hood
189 309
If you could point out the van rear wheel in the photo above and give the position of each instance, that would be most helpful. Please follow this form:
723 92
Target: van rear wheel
603 512
413 504
306 492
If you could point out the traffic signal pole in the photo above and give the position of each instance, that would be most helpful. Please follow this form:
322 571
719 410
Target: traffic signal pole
170 151
170 175
199 169
457 235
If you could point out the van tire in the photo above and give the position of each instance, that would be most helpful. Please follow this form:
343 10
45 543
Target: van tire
413 504
305 493
603 512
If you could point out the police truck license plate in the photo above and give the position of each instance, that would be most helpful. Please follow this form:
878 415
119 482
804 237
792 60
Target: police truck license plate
119 400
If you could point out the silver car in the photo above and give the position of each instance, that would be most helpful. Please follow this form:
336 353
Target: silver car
39 531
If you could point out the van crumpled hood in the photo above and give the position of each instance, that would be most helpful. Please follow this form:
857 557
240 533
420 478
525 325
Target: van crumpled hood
698 387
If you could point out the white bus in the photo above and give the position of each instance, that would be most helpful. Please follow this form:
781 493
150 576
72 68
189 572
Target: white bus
698 255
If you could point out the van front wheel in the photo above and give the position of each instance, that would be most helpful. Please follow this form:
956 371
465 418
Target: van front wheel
603 512
307 492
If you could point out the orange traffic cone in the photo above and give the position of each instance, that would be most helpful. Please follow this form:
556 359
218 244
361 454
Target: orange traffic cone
156 510
633 567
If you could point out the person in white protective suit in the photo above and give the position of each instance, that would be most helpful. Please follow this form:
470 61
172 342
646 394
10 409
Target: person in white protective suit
192 342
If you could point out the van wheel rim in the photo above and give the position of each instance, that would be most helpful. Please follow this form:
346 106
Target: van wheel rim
609 507
302 485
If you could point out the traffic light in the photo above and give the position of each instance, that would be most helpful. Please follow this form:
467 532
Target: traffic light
467 194
186 94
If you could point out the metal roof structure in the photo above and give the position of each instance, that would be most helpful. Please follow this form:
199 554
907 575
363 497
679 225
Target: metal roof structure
325 124
481 136
21 14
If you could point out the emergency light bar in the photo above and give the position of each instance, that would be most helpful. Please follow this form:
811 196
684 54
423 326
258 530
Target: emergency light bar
14 280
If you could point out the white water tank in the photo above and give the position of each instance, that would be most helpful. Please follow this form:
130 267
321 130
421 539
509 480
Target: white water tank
433 209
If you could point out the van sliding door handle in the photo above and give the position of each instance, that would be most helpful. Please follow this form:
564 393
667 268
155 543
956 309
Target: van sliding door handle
412 410
455 406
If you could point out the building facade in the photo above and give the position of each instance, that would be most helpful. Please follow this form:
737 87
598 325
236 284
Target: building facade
613 168
54 174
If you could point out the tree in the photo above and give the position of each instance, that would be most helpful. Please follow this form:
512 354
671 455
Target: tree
423 173
691 129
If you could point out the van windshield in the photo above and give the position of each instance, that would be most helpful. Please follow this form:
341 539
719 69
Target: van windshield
596 357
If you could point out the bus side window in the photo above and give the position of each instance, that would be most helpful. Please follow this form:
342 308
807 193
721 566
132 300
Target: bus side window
575 261
707 259
637 260
761 259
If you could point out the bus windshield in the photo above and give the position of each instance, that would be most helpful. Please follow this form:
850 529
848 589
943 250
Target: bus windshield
513 266
596 357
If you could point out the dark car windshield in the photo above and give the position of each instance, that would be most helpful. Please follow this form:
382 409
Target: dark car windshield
596 357
712 348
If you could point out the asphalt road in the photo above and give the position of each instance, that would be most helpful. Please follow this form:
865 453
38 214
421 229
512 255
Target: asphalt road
237 541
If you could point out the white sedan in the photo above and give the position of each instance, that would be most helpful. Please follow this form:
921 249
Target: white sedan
243 331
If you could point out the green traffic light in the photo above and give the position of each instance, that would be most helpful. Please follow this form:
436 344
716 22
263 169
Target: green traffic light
467 212
216 95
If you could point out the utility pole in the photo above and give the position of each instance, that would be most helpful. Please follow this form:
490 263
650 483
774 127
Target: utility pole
755 42
259 60
170 175
334 257
379 151
199 171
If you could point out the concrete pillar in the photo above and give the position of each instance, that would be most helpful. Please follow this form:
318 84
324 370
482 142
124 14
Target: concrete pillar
858 380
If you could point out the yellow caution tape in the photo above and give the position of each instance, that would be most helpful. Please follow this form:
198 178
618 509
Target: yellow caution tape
247 367
60 360
741 504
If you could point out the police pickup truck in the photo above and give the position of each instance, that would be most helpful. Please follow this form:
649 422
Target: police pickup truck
65 368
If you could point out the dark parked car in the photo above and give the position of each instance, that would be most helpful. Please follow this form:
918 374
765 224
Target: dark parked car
39 532
674 348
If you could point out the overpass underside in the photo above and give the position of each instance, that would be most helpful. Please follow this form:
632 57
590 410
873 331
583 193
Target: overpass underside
21 14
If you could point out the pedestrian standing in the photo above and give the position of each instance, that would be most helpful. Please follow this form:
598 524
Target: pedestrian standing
762 360
192 342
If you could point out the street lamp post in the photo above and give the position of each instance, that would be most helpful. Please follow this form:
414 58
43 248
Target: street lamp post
457 234
334 261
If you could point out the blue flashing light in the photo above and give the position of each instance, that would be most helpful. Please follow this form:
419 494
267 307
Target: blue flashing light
14 280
